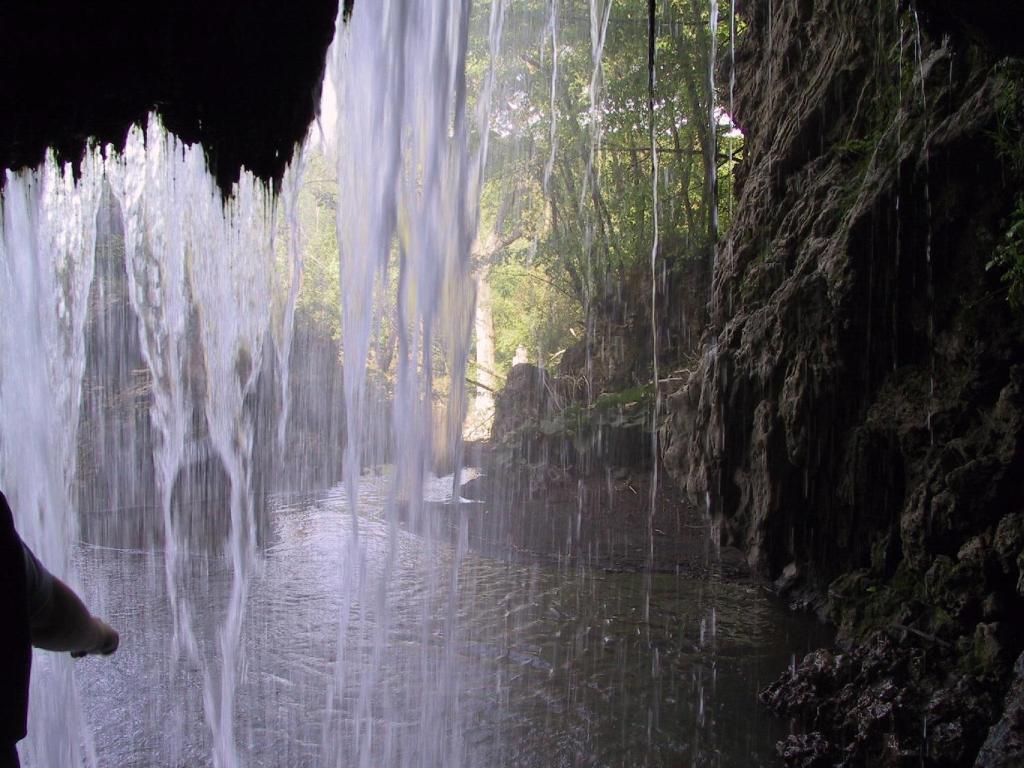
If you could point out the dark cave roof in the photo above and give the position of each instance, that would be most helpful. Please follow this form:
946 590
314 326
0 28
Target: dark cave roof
242 78
994 25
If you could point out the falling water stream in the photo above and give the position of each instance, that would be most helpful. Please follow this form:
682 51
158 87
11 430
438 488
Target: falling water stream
49 233
372 622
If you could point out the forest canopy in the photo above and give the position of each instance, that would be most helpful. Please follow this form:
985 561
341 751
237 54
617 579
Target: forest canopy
563 107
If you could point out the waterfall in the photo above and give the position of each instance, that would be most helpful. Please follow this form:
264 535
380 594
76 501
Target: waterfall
553 136
253 499
655 234
212 301
403 152
46 251
713 118
199 272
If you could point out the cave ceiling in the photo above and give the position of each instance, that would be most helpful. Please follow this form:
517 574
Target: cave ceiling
241 78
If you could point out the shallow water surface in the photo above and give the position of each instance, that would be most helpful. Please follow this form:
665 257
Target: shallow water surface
407 650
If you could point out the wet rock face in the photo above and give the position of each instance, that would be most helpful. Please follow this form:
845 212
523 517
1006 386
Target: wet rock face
863 380
525 398
530 441
858 409
882 703
616 353
859 403
1004 746
522 408
242 78
545 426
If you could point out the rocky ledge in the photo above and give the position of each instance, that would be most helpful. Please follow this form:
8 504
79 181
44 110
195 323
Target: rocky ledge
891 701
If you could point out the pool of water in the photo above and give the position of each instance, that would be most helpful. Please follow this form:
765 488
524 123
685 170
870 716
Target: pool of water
407 649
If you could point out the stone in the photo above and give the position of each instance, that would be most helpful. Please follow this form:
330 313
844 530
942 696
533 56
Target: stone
975 549
788 578
1008 541
993 607
989 646
1020 570
874 706
857 409
806 750
476 489
1004 744
938 577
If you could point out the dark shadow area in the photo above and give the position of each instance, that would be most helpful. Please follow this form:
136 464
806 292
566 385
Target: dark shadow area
241 78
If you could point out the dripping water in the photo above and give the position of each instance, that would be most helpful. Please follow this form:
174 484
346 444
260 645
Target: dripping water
655 415
46 248
552 135
712 150
929 279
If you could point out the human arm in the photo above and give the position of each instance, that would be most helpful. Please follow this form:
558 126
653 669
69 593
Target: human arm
65 624
59 620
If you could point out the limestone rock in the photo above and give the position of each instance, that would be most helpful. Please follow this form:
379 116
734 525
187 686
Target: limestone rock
858 408
1004 746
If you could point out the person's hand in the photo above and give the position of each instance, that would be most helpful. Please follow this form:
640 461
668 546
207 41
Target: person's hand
106 640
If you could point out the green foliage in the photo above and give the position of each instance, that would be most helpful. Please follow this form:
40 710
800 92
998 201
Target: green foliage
1009 256
567 189
319 293
628 408
532 312
1009 141
566 212
1009 133
640 396
860 147
578 427
623 409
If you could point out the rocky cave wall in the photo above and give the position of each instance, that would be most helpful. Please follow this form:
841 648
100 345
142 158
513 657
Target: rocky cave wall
855 422
858 405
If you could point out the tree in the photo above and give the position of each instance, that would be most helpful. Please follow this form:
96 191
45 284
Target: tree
568 185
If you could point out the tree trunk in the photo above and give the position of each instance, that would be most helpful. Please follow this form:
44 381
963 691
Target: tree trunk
483 403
